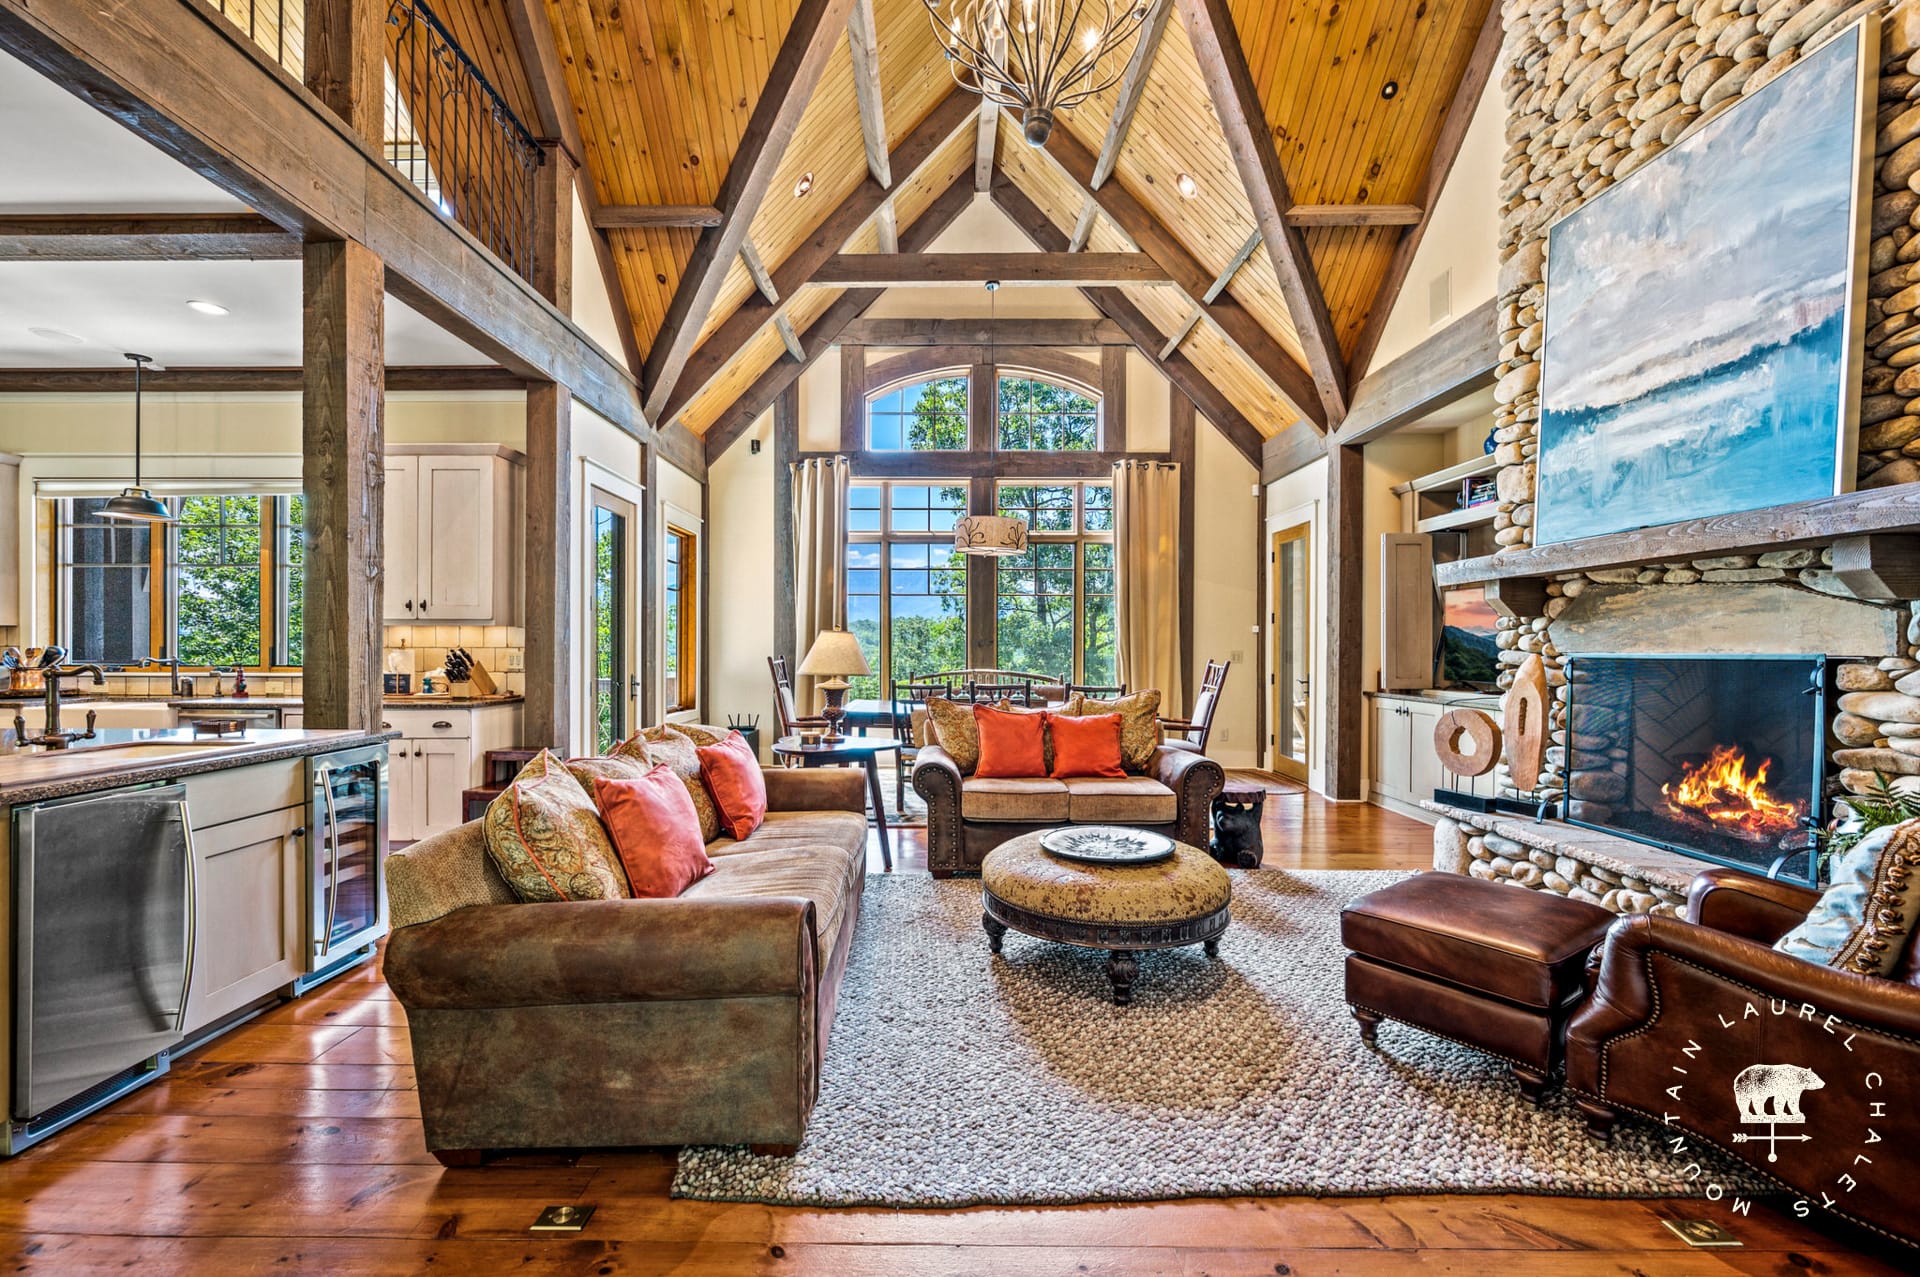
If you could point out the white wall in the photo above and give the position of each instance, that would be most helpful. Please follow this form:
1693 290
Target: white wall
1462 239
592 308
1226 603
740 633
1301 497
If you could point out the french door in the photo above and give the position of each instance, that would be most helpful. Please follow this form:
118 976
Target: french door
1292 595
612 648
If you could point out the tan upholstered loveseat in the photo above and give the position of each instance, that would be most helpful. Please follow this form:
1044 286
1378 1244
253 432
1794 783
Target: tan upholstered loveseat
968 816
608 1023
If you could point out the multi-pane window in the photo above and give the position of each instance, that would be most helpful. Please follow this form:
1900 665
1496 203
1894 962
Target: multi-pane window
922 416
906 584
1042 416
1054 611
224 585
681 566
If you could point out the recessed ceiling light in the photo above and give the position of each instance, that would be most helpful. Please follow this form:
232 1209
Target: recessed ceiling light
60 335
802 186
1188 187
207 308
1390 89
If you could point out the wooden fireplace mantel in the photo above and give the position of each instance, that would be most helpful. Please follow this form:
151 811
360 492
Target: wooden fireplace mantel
1882 561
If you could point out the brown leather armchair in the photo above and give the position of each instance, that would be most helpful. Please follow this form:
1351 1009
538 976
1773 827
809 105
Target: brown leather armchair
967 817
1804 1073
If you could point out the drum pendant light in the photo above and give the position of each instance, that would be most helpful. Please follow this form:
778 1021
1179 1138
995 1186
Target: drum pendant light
136 504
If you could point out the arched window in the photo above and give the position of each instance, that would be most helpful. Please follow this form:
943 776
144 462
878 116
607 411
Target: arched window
1039 415
919 416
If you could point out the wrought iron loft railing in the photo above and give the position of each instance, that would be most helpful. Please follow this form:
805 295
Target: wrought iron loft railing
448 130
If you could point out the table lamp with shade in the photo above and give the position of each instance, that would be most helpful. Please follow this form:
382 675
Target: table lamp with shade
834 657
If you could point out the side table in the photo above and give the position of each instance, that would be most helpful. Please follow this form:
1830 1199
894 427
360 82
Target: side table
1236 824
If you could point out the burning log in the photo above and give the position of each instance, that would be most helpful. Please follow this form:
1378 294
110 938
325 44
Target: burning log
1719 795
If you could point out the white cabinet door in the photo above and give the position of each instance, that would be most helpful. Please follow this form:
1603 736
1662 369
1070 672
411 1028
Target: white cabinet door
456 517
1423 766
401 520
441 775
403 805
1391 758
247 891
293 719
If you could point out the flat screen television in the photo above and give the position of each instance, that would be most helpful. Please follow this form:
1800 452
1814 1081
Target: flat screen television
1467 655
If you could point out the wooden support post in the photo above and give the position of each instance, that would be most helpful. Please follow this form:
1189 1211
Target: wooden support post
652 557
553 228
548 566
1181 442
1263 631
983 584
1345 564
343 472
786 446
1113 398
346 60
853 397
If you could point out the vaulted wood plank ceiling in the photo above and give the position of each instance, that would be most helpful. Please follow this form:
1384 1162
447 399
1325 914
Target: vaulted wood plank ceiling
664 91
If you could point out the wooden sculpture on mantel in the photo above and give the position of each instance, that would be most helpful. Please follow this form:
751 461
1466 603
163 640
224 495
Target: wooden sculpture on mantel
1526 724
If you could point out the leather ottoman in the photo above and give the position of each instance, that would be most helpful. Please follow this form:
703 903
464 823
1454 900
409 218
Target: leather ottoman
1491 966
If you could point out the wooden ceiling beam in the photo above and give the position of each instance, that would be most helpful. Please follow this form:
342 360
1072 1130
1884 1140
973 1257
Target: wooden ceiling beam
953 113
864 46
902 270
984 332
540 60
1235 322
1236 101
1446 149
1354 215
1083 225
144 237
640 217
1240 258
1113 303
76 381
984 144
1133 84
757 272
825 331
816 27
886 228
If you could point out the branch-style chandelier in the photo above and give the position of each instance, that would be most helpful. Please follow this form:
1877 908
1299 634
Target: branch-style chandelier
1037 56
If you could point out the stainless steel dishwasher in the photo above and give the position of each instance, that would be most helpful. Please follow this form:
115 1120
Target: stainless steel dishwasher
103 907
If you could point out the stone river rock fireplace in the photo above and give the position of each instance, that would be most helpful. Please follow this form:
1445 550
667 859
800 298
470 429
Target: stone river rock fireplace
1717 757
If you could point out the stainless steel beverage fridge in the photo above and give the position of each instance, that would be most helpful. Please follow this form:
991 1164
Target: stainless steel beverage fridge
346 859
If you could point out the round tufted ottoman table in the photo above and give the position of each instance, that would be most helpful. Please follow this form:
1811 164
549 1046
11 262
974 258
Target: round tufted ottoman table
1120 908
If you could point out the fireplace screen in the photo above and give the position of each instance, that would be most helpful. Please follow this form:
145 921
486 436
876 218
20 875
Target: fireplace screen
1715 757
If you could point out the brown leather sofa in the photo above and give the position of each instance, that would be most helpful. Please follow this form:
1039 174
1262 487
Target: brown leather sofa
609 1023
968 816
1702 1025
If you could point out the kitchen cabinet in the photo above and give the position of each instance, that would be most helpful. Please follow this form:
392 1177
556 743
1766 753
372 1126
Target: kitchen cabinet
438 757
247 884
450 549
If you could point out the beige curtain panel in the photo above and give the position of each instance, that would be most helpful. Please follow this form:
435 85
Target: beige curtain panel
819 557
1146 556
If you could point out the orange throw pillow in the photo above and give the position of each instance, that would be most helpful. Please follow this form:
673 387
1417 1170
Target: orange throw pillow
732 775
656 831
1011 745
1088 746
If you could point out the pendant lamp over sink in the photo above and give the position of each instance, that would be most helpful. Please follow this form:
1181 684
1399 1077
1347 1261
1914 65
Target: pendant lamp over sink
136 504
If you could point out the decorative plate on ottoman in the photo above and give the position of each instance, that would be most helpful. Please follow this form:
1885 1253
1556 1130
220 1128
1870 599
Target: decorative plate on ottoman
1108 845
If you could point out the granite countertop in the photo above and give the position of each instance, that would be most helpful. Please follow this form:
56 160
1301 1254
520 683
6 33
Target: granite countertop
30 776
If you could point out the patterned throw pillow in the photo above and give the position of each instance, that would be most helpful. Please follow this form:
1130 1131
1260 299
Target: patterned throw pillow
628 766
1864 922
544 835
678 750
1139 724
954 731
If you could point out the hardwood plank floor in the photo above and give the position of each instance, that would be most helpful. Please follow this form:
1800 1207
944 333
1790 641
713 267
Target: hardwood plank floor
293 1145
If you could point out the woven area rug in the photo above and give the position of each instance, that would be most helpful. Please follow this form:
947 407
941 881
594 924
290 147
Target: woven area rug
955 1078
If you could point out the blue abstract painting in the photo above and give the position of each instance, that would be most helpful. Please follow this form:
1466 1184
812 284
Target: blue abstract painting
1696 350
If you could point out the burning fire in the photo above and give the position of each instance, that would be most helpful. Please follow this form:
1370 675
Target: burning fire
1721 792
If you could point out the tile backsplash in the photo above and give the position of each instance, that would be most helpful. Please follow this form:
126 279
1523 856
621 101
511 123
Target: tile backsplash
494 646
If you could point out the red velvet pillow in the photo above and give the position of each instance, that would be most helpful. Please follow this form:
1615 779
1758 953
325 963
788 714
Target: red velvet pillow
1086 746
732 776
1011 745
656 831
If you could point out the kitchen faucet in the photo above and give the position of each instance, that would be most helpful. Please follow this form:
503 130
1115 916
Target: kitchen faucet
51 736
171 663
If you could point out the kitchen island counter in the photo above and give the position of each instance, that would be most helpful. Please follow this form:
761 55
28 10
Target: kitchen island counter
132 756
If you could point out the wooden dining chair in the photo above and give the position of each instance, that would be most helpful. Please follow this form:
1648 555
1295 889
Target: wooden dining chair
909 695
785 708
1105 693
1192 731
1021 693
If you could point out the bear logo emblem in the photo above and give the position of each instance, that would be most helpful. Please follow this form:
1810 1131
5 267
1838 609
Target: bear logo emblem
1769 1095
